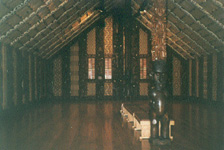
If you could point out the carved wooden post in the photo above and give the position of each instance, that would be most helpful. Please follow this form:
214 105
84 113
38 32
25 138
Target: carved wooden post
159 116
159 30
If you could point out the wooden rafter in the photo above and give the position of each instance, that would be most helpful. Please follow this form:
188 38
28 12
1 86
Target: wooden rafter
192 30
48 27
198 22
76 31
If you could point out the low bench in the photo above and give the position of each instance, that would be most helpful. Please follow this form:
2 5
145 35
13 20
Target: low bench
143 123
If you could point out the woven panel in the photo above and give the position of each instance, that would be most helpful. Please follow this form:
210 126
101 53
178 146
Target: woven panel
91 89
91 42
74 68
143 89
108 89
143 42
205 78
108 36
57 87
214 77
176 77
197 78
190 77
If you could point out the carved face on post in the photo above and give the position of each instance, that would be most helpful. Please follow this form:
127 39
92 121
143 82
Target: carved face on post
159 74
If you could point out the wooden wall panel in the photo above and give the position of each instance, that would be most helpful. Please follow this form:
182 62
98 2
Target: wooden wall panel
214 77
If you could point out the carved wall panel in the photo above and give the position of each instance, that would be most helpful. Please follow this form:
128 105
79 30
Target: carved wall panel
197 77
176 77
143 89
91 89
190 77
108 89
214 77
57 86
74 68
159 30
205 77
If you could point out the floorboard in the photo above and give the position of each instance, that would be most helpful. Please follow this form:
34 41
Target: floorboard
98 125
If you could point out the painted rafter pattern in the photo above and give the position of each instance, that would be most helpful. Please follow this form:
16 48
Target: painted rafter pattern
199 22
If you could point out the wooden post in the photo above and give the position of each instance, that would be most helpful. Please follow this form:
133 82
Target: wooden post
128 34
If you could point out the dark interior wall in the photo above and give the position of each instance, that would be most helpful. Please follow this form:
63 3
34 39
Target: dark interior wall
210 77
118 76
18 78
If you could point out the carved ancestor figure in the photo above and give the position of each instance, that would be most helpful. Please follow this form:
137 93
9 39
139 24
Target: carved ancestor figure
159 115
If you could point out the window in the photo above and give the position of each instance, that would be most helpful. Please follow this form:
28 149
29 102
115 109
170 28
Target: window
91 68
143 68
108 68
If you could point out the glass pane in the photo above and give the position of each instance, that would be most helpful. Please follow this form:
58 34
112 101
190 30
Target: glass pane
143 68
108 68
91 68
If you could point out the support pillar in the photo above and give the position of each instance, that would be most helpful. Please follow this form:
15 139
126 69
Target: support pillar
128 34
159 116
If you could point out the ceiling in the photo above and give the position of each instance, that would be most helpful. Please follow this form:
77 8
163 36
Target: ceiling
194 27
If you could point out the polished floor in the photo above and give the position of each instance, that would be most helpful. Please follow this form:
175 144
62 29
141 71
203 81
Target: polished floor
98 125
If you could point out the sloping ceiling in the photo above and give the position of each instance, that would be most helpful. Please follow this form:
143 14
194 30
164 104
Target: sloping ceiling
194 27
43 27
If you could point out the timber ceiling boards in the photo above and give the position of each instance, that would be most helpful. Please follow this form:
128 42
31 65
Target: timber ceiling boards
194 27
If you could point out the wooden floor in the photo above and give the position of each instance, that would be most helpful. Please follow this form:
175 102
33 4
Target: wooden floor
99 126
